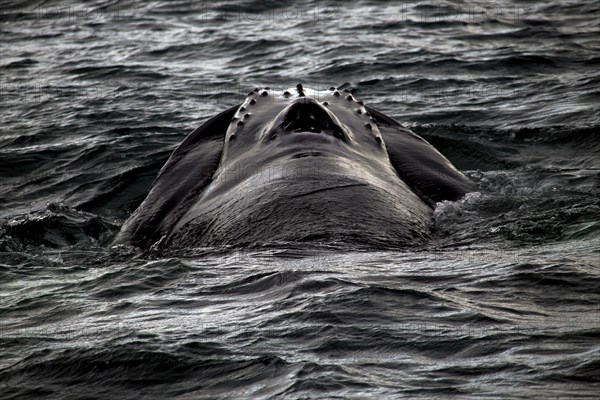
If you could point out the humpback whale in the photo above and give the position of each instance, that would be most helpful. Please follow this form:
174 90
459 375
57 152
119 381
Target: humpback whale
293 166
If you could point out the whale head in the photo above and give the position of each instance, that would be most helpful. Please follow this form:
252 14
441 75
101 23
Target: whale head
299 121
295 164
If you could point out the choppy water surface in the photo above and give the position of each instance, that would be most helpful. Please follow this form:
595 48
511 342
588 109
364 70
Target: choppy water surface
504 301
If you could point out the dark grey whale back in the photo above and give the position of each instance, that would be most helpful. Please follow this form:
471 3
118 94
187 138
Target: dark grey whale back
186 173
419 164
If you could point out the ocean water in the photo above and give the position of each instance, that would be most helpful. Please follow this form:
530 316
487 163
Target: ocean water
502 303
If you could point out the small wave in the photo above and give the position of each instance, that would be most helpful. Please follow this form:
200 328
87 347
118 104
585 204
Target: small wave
24 63
131 371
55 226
115 72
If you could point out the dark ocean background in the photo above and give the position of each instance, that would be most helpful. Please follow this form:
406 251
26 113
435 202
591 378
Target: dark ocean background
502 303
